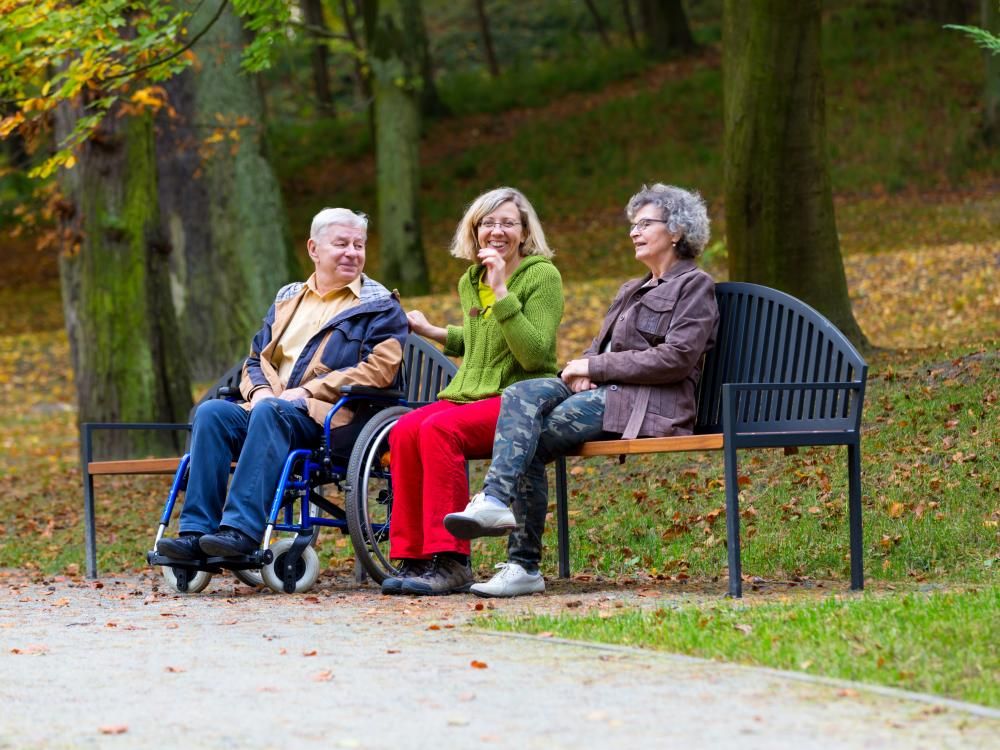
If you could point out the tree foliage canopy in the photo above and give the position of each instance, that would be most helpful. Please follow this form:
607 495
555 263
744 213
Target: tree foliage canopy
100 53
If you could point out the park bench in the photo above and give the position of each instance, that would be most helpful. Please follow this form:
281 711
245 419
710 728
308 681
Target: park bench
780 376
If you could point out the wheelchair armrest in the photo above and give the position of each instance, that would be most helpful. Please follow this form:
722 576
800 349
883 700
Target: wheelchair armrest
366 391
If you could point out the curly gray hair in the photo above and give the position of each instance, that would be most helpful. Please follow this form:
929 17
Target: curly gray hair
684 211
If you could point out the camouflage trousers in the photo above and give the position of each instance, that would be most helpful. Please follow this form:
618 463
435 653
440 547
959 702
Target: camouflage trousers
539 421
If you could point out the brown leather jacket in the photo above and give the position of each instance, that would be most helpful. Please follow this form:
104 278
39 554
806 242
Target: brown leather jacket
657 340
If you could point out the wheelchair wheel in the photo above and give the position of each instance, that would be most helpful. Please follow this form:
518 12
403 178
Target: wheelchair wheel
306 571
196 583
369 494
249 577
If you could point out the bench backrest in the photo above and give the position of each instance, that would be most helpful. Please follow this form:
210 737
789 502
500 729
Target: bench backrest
767 336
427 371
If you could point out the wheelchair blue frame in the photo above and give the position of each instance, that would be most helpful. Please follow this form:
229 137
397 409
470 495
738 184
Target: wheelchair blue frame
316 467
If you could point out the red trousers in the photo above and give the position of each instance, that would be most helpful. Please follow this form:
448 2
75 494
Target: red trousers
429 448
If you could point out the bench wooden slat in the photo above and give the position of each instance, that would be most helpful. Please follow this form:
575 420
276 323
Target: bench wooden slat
136 466
650 445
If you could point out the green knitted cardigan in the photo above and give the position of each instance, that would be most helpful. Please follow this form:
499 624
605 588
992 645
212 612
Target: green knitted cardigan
517 341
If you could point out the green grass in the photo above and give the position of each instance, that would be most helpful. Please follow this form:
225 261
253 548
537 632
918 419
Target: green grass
939 643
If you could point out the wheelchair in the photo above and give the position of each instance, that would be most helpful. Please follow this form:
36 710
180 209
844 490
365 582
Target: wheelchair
289 564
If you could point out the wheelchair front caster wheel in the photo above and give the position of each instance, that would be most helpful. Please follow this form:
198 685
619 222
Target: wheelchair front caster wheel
250 577
186 581
306 568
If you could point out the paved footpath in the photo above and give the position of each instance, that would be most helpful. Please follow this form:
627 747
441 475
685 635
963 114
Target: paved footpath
129 666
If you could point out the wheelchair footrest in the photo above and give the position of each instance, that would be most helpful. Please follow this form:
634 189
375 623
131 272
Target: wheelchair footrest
254 561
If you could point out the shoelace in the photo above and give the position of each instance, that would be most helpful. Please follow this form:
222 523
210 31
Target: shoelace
506 571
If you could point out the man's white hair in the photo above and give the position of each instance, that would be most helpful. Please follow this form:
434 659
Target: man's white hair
330 216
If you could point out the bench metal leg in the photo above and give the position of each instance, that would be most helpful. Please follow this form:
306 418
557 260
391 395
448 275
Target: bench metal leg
562 517
733 523
854 512
89 524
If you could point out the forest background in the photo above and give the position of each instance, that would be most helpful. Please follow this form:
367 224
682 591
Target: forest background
580 105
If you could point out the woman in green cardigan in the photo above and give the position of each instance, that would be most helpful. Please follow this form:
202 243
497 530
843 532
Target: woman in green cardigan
512 302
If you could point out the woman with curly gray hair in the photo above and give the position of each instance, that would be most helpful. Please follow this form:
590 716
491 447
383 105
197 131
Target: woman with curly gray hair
637 379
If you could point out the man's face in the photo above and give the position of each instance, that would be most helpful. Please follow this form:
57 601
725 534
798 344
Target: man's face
339 253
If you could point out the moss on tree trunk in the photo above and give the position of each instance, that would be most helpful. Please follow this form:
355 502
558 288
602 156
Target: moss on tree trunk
780 225
127 360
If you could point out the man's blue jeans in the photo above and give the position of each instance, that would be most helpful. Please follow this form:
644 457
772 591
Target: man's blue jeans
259 441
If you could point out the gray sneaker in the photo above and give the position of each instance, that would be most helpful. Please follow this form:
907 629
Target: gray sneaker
445 575
407 569
480 518
512 580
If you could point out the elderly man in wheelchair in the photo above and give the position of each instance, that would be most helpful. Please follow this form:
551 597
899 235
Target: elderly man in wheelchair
340 331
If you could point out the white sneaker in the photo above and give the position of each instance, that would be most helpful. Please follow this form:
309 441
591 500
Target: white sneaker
512 580
482 517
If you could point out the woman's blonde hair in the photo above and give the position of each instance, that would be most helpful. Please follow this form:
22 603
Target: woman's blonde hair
465 243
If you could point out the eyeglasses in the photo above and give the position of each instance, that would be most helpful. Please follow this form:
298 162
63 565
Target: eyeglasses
643 224
506 224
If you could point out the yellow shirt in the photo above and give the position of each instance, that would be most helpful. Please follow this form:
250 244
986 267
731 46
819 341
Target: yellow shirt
486 295
313 311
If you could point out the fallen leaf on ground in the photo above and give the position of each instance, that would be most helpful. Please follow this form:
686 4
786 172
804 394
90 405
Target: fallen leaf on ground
309 653
32 649
325 676
478 664
175 670
113 729
743 628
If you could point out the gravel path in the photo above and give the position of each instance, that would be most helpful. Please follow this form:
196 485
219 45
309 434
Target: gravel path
126 666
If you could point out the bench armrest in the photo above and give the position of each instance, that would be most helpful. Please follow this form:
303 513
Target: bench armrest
811 407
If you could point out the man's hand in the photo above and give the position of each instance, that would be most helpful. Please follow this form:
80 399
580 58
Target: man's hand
294 394
259 395
422 327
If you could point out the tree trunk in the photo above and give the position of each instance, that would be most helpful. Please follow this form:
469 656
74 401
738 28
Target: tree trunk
991 90
780 226
668 32
127 359
599 23
221 206
431 103
312 12
629 24
395 63
484 30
